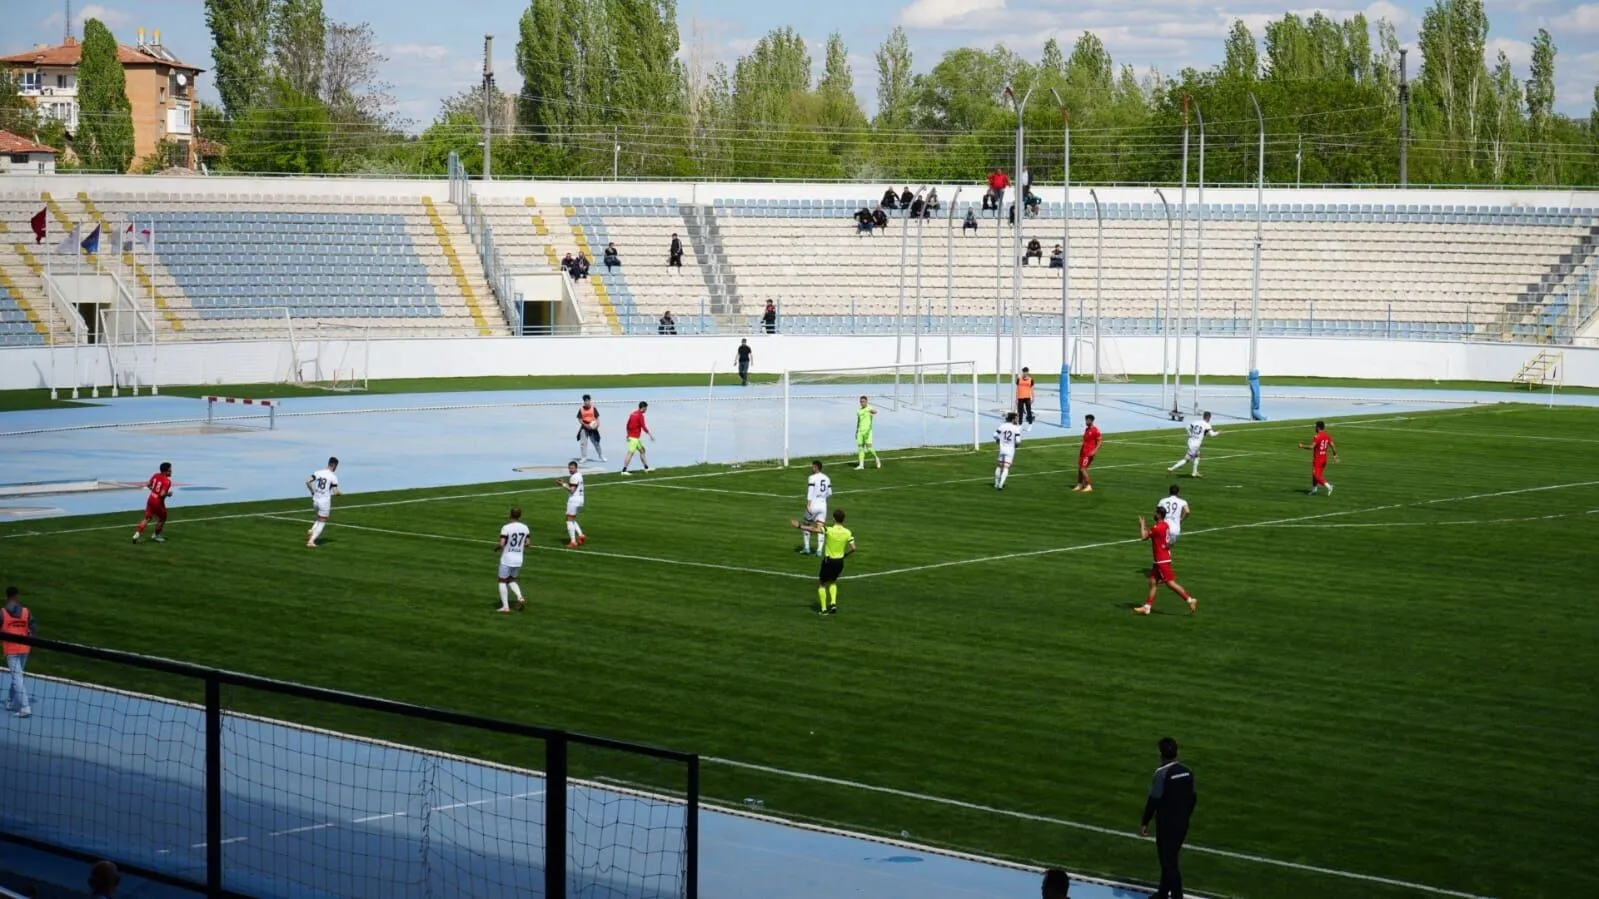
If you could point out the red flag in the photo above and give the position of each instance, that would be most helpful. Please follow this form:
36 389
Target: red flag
38 225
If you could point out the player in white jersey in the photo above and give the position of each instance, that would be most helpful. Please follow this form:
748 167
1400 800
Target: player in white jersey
573 482
324 486
1174 509
818 488
1197 432
513 542
1008 436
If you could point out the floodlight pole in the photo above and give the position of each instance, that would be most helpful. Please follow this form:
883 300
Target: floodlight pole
949 283
1254 300
1065 264
1199 255
1019 191
1165 319
1099 280
1182 257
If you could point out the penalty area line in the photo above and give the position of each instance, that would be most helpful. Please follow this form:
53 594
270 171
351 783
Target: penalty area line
686 563
1091 828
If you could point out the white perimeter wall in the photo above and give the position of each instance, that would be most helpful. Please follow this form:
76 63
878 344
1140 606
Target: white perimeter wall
269 361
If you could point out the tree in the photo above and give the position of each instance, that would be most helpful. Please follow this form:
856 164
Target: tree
473 103
288 132
17 115
299 40
1541 84
1240 57
1452 81
840 107
895 97
1089 71
105 117
240 41
1505 124
1289 55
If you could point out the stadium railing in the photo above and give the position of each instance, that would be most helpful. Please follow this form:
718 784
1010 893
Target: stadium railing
102 772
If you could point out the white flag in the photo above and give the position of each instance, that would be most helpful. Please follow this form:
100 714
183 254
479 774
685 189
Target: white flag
69 244
147 238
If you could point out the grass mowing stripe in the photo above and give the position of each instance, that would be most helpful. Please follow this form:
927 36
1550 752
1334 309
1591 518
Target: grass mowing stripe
1091 828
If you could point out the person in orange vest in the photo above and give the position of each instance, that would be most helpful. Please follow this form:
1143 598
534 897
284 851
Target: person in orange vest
1024 398
16 620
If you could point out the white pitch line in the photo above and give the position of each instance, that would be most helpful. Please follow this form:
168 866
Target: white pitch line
1092 828
1442 524
383 817
224 842
1226 527
715 490
585 551
306 829
1428 432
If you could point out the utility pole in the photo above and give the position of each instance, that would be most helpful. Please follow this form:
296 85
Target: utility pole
488 107
1404 123
66 25
616 151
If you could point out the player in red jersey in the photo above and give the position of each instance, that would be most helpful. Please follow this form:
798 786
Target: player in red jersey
1085 455
1320 446
636 429
155 508
1161 572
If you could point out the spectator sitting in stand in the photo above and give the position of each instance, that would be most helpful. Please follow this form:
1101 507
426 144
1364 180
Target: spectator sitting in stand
1032 201
988 200
918 208
971 221
890 199
906 198
580 268
863 221
667 324
1057 257
674 254
612 257
932 202
880 218
566 264
1035 250
769 318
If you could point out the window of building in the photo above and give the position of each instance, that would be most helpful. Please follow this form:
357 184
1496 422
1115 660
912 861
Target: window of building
31 81
61 81
19 158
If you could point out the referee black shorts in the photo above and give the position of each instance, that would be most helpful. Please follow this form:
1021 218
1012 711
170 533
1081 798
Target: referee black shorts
831 569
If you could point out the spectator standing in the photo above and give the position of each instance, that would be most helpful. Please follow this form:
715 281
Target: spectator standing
667 324
743 358
674 255
104 880
997 182
16 620
971 222
890 199
1027 181
612 257
769 318
1171 802
1035 250
1056 884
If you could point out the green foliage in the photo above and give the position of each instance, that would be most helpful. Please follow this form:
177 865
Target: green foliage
241 33
167 153
290 133
105 117
17 115
299 41
1241 58
895 98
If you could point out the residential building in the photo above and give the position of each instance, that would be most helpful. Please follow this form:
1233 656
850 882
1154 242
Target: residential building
163 91
20 156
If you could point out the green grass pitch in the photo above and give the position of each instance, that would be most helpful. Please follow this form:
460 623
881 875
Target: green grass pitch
1396 681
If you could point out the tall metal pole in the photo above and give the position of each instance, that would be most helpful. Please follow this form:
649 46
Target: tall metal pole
1019 191
999 292
1299 162
1065 265
949 282
1199 255
1404 123
488 107
1182 254
1099 280
916 346
1165 318
899 316
616 152
1254 300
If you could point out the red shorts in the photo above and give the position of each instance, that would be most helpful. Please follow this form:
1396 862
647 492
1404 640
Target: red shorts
1318 471
155 508
1085 460
1162 573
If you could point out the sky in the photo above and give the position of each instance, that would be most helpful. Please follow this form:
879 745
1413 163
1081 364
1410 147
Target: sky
436 50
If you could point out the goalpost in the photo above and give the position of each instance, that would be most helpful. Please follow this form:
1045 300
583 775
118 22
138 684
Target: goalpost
918 404
330 355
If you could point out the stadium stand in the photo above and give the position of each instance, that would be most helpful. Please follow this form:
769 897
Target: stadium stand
228 265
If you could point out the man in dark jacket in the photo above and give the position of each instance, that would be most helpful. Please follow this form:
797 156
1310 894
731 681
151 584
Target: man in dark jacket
890 199
1171 802
906 198
674 255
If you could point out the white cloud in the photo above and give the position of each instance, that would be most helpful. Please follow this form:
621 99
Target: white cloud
1518 52
947 13
112 18
1581 20
405 54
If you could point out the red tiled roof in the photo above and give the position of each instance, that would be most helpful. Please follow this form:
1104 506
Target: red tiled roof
69 53
11 143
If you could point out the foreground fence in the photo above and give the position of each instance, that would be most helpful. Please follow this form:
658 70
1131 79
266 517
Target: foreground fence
196 777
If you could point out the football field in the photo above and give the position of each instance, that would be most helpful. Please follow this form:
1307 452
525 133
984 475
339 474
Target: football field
1385 690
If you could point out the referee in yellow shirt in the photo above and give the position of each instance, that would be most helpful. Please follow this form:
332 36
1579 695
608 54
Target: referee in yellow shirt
837 542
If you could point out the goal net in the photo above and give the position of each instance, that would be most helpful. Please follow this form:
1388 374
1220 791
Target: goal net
330 355
813 413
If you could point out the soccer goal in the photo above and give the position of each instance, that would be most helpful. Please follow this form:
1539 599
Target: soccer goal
1099 357
917 404
329 355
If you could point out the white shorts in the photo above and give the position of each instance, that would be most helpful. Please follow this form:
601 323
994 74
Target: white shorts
324 506
510 571
1194 448
813 514
573 508
1006 457
1172 536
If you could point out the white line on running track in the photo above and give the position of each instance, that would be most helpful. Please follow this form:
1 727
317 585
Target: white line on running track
1092 828
1226 527
1441 524
538 546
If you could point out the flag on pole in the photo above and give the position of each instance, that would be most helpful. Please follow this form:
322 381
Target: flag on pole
38 222
91 244
69 243
147 239
127 239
